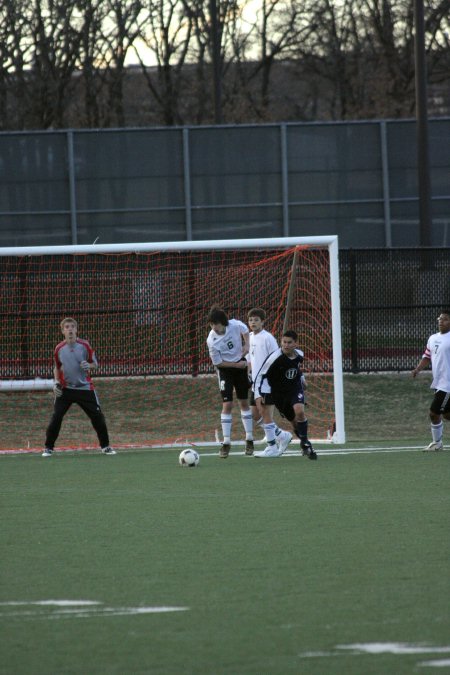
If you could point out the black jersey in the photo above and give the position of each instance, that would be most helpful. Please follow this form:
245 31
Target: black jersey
280 374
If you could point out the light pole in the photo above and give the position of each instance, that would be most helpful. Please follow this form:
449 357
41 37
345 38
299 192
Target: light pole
217 66
423 161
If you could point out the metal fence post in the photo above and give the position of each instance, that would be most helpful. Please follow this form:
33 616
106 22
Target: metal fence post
72 189
187 184
386 192
284 180
353 313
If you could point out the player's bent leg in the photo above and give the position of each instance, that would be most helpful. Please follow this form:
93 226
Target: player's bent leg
99 424
247 423
283 440
54 426
90 404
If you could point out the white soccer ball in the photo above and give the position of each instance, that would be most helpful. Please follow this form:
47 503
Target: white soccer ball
189 457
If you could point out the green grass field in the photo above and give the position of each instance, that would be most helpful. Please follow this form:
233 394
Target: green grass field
133 565
281 565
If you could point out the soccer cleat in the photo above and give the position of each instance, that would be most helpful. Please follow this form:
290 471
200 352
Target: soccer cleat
285 438
434 447
270 451
108 451
224 450
47 452
307 450
249 447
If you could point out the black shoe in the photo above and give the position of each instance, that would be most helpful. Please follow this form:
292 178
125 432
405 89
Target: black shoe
249 447
307 450
224 450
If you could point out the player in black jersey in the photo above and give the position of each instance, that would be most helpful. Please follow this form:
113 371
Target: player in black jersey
280 382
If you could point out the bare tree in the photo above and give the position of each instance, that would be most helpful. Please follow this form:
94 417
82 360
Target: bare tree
14 21
121 29
165 34
91 112
363 53
63 62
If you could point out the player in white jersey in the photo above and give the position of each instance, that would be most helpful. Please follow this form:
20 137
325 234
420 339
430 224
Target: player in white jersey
263 343
437 353
74 359
228 343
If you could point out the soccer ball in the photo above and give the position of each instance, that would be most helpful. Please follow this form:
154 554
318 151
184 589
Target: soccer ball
189 457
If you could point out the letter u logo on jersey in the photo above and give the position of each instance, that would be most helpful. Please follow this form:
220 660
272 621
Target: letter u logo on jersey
291 374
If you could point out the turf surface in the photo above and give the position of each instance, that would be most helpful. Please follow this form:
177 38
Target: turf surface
281 564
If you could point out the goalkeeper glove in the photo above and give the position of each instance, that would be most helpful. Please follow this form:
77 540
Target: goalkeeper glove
57 389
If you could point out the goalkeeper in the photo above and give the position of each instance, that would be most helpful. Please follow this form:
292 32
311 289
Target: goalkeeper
74 359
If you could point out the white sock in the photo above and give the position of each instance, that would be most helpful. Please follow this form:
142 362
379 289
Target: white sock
226 420
436 431
247 421
270 432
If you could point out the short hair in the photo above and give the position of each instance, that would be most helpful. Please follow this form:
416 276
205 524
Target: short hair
68 319
217 315
291 334
446 312
257 311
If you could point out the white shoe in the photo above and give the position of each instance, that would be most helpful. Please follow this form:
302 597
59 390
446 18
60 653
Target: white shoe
285 438
270 451
47 452
434 446
108 450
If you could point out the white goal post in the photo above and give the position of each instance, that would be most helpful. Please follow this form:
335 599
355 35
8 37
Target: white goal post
31 281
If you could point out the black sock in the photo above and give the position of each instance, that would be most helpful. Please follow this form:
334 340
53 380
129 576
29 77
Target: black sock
301 429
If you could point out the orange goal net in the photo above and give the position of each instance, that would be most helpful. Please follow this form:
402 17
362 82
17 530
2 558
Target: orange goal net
143 308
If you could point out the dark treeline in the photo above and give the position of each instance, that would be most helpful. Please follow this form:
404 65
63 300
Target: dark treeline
65 63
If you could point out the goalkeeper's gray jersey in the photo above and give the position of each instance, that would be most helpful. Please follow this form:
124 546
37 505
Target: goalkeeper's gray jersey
227 347
67 360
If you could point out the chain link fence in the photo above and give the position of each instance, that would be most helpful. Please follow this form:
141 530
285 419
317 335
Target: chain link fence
390 300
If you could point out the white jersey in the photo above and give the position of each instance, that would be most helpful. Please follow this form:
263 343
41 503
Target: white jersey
438 350
261 345
227 347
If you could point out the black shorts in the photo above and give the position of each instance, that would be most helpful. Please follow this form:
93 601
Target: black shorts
266 399
285 402
233 379
441 402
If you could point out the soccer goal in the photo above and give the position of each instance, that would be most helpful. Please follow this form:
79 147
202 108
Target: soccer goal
143 308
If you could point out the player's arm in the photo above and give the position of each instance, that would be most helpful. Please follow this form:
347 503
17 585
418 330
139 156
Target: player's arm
261 382
423 363
241 365
57 385
245 343
90 363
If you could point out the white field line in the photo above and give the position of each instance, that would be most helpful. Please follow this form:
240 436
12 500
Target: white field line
329 450
330 453
394 648
75 609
